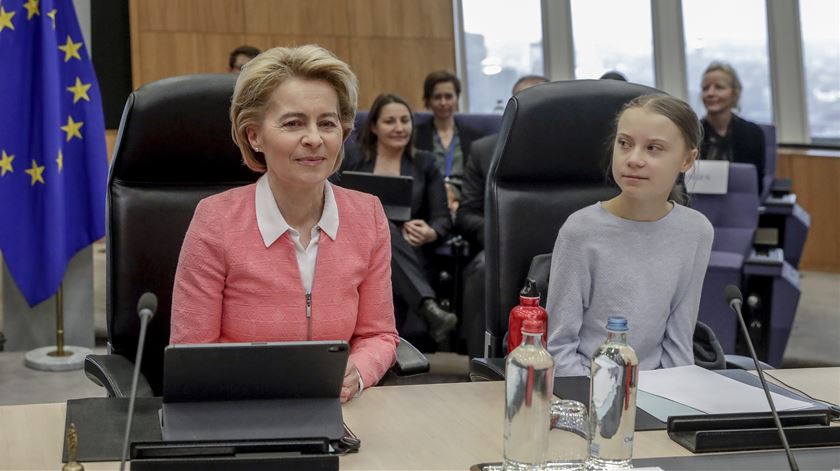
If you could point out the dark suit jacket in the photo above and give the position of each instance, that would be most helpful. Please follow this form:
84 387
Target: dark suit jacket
747 144
424 137
469 221
428 193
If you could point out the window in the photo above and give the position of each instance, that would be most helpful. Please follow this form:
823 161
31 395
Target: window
733 32
502 42
613 35
820 23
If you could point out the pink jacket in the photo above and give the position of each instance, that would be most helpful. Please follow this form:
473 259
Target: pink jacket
230 287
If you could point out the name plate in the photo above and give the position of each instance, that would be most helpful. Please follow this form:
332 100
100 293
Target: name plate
708 177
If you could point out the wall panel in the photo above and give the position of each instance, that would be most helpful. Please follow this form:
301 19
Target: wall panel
371 56
816 181
390 44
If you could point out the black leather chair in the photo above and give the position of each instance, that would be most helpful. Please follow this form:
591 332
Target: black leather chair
548 163
173 149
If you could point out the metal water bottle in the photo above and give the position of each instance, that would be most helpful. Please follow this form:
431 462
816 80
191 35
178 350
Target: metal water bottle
612 400
529 382
528 308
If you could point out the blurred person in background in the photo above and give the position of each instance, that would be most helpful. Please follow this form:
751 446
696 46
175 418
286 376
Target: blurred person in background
444 135
727 136
384 147
240 56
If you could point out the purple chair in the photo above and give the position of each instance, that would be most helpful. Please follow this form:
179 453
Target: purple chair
771 283
735 219
779 209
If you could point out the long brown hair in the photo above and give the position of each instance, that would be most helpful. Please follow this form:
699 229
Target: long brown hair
367 139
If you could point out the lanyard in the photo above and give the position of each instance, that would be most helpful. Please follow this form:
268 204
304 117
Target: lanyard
449 156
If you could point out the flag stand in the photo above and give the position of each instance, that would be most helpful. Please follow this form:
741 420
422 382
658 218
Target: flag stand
59 357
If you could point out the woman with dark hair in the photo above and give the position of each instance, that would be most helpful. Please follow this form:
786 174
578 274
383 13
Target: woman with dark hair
385 148
447 138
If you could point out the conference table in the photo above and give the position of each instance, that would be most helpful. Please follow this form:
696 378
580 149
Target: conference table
417 427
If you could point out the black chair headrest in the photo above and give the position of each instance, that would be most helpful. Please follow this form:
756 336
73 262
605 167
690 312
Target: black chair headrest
181 137
552 130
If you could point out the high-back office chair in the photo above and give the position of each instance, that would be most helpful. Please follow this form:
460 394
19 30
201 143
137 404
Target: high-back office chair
770 158
548 163
173 149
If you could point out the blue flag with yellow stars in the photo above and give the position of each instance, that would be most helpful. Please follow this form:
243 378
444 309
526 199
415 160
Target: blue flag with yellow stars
53 165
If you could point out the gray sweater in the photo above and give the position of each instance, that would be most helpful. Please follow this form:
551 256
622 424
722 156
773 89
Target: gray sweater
649 272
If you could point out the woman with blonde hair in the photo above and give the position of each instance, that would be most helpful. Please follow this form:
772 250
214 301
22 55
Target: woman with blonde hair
727 136
291 257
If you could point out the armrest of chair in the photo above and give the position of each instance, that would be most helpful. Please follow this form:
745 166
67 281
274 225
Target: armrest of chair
114 372
487 369
781 186
741 362
409 360
766 237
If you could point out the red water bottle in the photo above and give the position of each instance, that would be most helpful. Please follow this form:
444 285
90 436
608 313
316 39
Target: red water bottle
529 308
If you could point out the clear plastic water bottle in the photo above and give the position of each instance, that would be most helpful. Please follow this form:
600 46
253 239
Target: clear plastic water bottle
529 381
612 400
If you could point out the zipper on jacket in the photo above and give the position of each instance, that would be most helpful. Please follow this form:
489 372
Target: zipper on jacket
308 316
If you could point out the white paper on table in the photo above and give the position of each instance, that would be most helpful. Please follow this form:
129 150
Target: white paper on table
710 392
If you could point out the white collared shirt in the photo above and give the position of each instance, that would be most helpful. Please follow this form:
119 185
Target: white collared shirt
272 225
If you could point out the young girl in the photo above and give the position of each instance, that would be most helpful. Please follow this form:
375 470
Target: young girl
638 255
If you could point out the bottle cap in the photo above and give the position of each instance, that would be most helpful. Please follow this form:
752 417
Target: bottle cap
532 326
530 289
617 324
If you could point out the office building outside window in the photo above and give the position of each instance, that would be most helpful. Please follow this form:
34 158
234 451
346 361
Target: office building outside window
502 42
733 32
613 35
820 23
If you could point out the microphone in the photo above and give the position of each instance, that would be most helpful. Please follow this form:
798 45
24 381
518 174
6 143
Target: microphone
735 301
146 308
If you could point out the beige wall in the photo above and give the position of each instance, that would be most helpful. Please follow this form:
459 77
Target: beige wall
390 44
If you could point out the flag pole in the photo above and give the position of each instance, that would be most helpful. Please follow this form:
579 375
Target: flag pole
58 357
59 324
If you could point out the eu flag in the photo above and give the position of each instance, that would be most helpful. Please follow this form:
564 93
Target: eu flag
53 166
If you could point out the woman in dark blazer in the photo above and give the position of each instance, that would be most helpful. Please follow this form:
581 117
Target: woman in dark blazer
444 135
726 136
384 147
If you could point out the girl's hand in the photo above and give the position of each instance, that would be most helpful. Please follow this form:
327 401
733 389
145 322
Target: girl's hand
417 232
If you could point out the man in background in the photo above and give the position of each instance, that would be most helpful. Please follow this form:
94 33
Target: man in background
240 56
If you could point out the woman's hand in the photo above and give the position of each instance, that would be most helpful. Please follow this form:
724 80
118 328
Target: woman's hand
452 199
350 386
417 232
